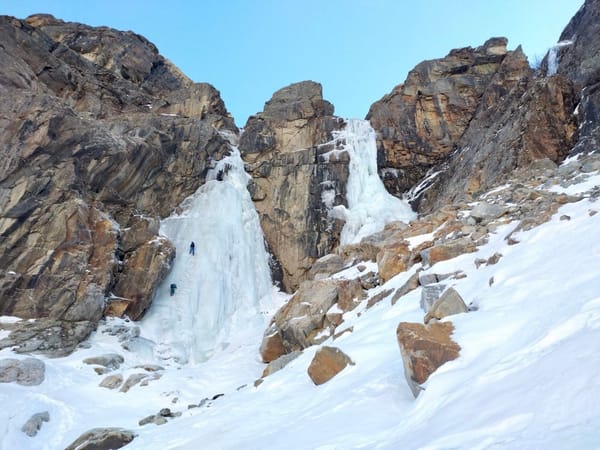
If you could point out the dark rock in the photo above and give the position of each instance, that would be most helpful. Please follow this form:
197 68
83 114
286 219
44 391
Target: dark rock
102 439
35 422
53 338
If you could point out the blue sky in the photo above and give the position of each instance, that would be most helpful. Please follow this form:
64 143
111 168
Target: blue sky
357 49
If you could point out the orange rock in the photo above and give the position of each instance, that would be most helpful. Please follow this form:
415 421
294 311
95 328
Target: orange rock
424 348
327 363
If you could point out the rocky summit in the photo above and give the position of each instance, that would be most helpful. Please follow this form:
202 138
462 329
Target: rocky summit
106 148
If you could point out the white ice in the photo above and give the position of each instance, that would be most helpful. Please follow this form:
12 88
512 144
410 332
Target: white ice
370 206
218 288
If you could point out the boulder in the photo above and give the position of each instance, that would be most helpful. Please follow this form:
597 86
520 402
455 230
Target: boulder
326 266
102 439
112 381
484 211
393 259
279 363
410 285
327 363
26 372
109 360
430 293
424 348
272 347
447 250
449 303
132 380
35 422
378 297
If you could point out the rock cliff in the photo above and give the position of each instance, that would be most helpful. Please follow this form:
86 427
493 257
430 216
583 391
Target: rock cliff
296 177
421 121
578 58
100 137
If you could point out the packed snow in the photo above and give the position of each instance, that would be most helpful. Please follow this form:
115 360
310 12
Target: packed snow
527 375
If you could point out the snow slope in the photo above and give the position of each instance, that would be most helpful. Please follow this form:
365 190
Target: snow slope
526 377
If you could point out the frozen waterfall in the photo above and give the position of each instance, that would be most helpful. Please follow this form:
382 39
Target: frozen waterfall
220 288
553 57
370 206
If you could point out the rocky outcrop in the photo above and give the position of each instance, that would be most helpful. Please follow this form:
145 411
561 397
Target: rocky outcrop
421 121
99 137
327 363
306 318
297 176
532 120
462 124
49 336
102 439
424 349
577 56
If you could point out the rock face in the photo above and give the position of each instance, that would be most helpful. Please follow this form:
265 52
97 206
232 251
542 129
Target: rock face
326 364
579 60
424 348
99 137
420 122
532 120
295 176
461 124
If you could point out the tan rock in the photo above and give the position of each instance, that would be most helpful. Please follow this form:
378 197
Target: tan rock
112 381
327 363
307 319
411 284
449 303
448 250
117 306
272 347
284 147
424 348
393 259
